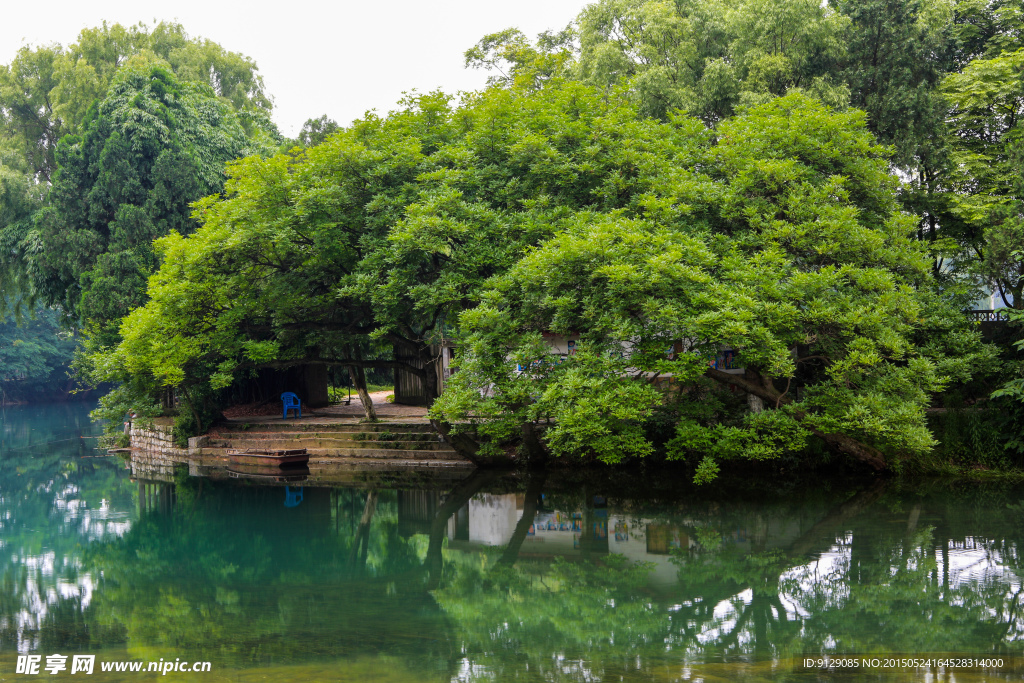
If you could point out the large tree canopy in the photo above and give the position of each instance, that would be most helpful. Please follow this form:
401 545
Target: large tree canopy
149 149
384 233
47 91
564 211
211 108
939 82
783 242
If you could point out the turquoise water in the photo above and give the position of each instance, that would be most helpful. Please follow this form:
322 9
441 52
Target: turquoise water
436 577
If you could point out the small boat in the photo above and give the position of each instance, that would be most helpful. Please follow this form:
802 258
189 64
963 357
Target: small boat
281 475
268 459
269 470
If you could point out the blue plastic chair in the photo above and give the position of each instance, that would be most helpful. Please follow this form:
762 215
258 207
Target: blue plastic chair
291 402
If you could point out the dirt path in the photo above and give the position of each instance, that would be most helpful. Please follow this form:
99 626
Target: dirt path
354 409
383 408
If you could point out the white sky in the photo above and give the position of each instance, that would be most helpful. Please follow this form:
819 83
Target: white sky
335 58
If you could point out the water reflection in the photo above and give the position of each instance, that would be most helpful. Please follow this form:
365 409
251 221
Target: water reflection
424 576
55 497
751 582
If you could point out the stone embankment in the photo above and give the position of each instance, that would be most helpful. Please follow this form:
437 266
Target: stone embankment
408 442
157 437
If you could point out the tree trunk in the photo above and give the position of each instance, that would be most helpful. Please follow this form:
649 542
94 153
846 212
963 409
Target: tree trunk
533 447
463 444
754 402
359 380
868 455
458 497
362 538
534 487
915 514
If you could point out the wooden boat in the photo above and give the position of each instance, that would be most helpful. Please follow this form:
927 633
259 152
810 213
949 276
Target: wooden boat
270 470
269 459
283 475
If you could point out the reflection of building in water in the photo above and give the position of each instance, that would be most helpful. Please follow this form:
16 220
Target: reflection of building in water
491 519
649 540
416 510
156 496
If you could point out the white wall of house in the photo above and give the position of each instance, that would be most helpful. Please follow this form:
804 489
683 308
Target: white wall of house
990 302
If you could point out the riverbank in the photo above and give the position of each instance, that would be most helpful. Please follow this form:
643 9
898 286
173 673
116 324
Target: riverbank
329 436
405 437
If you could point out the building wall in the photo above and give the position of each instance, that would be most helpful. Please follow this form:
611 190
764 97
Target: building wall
409 388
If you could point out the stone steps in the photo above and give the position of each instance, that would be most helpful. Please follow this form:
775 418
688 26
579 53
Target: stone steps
327 454
406 443
355 437
380 441
278 444
346 427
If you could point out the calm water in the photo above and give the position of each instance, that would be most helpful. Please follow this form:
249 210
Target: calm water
437 578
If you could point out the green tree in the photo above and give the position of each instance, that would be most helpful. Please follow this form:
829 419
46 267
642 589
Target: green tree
519 62
34 358
381 235
152 146
20 197
46 92
704 58
787 246
987 101
315 131
895 57
52 91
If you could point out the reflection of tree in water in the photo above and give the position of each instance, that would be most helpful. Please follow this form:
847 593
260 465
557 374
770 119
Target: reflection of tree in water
234 576
874 584
55 499
553 614
866 577
897 577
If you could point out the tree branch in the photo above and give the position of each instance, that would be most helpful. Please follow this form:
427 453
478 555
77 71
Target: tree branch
745 384
866 454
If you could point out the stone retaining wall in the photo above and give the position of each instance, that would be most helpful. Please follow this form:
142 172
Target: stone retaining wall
156 437
152 466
